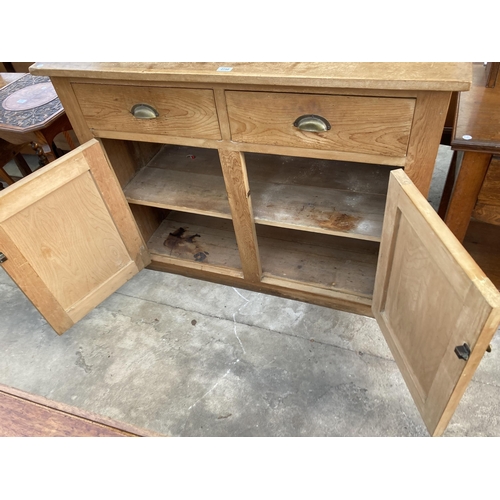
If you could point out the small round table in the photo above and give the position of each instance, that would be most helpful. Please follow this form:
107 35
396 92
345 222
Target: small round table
31 113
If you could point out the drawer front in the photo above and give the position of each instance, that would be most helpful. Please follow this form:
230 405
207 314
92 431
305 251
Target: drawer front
371 125
181 112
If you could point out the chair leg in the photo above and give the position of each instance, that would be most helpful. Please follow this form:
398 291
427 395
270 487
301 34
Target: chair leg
5 177
42 159
22 165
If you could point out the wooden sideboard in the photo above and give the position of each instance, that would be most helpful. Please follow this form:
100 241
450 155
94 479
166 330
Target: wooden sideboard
303 180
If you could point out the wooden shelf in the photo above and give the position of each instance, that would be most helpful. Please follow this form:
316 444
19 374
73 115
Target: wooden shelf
323 261
320 196
203 243
183 179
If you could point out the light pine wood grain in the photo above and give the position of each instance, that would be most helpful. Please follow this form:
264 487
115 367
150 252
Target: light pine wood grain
238 192
280 287
319 261
47 180
182 178
118 155
398 161
430 296
416 76
71 254
196 193
112 195
312 195
355 178
148 219
319 210
72 109
358 124
182 112
427 128
26 278
220 100
389 114
64 248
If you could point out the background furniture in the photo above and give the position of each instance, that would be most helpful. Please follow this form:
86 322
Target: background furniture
15 67
9 151
30 113
26 415
272 177
473 210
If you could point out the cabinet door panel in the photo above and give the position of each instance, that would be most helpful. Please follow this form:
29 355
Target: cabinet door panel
69 244
430 297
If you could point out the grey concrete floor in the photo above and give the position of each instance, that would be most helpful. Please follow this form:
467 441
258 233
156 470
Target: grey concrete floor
183 357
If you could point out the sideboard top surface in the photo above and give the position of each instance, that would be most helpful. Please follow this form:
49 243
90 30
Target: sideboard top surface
442 76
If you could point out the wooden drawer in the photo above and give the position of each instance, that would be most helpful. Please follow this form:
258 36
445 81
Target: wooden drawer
181 112
371 125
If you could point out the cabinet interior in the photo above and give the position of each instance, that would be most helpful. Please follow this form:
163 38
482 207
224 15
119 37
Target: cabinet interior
318 222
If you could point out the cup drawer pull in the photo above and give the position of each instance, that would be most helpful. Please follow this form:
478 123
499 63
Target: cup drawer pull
312 123
144 112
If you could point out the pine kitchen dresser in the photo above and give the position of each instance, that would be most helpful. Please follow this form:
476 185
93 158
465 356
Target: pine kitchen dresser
305 180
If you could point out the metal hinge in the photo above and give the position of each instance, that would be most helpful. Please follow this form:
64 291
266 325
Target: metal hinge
2 258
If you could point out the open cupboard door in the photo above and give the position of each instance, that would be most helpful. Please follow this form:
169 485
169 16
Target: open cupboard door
436 308
67 236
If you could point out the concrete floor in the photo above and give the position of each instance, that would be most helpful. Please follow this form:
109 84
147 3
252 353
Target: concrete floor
184 357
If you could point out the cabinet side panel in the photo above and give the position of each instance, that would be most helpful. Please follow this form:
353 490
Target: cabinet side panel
72 108
428 123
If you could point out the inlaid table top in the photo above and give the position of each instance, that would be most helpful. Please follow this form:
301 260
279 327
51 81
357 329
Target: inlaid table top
28 103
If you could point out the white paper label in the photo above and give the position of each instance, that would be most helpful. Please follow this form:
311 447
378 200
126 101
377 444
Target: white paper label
224 68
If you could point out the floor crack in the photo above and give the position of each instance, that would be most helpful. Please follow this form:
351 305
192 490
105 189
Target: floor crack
255 326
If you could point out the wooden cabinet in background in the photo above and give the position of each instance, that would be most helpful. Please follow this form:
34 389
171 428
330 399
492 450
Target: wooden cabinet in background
303 180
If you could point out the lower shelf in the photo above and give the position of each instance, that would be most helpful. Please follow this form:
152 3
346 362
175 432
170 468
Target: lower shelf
291 259
195 241
326 262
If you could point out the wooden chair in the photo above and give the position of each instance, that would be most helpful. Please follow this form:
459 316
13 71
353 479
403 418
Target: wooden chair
10 152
